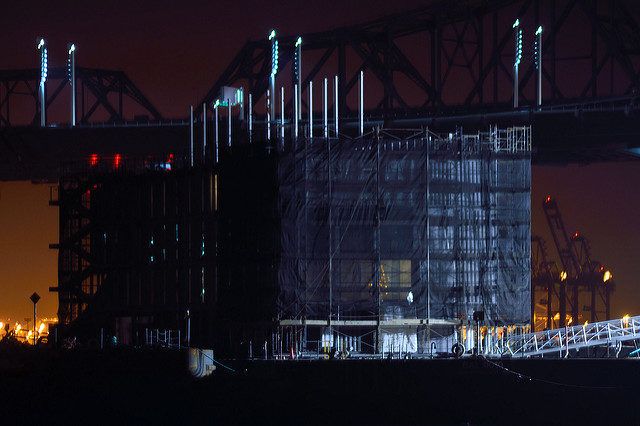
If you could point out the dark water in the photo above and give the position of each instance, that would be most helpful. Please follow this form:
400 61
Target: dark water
153 387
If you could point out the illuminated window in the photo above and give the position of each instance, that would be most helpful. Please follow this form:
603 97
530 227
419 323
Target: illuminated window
395 280
358 280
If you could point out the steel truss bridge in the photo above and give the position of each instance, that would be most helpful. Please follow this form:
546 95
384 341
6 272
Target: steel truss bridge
443 66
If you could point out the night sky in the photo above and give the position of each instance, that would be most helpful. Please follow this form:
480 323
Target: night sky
175 55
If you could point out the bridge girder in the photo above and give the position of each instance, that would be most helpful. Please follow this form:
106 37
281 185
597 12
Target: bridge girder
460 54
101 85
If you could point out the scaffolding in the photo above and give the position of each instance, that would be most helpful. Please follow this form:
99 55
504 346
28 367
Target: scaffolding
390 241
131 252
387 243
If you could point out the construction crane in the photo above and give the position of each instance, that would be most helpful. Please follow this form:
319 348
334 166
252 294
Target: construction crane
546 280
581 276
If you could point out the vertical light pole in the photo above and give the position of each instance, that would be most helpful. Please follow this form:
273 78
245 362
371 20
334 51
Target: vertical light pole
191 136
34 298
361 103
272 77
310 109
516 63
296 111
298 70
44 70
71 69
250 108
229 120
282 114
325 118
268 110
204 133
215 108
335 99
538 60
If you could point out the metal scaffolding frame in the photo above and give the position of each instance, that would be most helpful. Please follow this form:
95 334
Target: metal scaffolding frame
362 204
156 243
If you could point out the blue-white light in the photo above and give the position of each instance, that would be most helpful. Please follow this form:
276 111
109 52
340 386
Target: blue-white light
518 47
298 41
516 24
274 57
539 30
72 49
44 66
272 34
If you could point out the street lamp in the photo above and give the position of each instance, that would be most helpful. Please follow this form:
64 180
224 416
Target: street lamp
516 63
272 80
538 61
44 70
71 72
34 298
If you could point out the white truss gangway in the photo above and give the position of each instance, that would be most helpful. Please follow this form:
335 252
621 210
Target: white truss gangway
564 339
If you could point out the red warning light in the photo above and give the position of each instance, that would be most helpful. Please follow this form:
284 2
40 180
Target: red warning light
575 235
548 199
93 160
116 161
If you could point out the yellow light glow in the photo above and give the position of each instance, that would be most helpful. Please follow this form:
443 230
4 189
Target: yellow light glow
625 319
563 275
18 327
41 328
557 316
607 276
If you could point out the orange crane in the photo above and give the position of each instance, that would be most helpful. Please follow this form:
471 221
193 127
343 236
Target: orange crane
581 277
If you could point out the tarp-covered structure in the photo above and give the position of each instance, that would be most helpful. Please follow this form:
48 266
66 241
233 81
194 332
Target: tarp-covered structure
413 226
